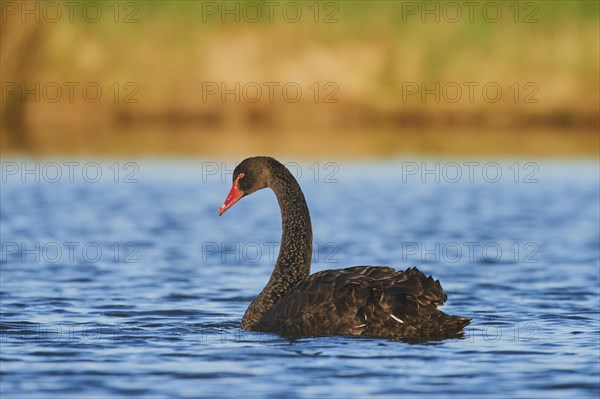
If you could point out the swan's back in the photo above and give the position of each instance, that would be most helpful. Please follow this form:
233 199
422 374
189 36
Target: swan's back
373 301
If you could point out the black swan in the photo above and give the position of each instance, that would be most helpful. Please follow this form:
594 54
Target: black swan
374 301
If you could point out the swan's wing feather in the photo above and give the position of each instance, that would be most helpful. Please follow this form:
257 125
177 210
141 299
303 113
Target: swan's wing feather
355 300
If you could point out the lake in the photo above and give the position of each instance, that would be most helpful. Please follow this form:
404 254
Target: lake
119 279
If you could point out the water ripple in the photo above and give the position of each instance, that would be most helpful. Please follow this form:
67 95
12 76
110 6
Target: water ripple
162 318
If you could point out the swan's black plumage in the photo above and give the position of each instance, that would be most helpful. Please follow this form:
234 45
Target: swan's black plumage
375 301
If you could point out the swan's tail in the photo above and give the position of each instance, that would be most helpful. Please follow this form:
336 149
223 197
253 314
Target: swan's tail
455 324
443 326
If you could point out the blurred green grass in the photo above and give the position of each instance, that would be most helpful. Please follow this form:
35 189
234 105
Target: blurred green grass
372 50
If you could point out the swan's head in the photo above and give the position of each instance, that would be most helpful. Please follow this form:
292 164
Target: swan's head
249 176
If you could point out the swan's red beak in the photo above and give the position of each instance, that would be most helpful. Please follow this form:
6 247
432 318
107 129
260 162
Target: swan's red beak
235 194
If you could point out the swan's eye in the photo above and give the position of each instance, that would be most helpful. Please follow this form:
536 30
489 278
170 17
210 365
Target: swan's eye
237 179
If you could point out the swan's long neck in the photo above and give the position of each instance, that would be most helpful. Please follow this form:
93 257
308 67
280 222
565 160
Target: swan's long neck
295 252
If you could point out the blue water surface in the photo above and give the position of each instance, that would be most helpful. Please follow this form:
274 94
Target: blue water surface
119 279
